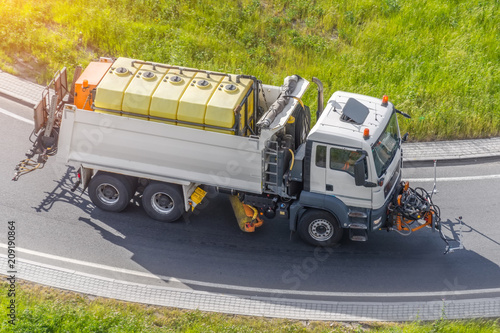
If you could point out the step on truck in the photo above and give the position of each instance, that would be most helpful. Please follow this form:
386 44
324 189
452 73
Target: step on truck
170 133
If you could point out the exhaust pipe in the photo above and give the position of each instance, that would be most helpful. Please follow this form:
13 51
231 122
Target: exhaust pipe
320 97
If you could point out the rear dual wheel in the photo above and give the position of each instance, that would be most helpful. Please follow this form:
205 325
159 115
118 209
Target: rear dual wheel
163 202
111 192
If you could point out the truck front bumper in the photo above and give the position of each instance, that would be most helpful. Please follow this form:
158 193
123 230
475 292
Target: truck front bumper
379 215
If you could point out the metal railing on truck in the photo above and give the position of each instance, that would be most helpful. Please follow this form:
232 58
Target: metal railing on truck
248 126
47 120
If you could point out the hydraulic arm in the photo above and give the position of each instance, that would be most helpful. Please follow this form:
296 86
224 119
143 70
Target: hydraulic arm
413 210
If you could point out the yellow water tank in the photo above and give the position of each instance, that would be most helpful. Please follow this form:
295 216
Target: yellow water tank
227 97
111 89
193 103
165 100
139 92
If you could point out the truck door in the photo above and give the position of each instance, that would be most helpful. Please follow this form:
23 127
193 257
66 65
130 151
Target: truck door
339 178
318 167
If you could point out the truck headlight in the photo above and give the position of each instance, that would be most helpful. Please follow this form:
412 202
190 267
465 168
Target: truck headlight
377 221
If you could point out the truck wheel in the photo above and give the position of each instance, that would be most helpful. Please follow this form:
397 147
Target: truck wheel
320 228
163 202
110 192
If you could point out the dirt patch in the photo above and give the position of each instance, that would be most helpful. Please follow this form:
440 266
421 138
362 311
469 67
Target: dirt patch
27 67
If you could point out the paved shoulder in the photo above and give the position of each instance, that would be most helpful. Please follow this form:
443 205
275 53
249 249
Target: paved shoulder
20 90
456 150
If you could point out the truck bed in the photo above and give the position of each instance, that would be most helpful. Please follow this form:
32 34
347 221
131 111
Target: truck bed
167 152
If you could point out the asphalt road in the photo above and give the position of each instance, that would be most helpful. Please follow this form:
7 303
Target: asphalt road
207 251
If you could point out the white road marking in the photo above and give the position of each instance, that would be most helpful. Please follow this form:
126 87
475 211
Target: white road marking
275 292
13 115
452 179
88 264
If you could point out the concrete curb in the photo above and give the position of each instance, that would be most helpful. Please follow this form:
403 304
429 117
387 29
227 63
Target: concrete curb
273 307
16 98
450 161
19 90
452 152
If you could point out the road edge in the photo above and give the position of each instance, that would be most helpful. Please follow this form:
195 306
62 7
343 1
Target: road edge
273 307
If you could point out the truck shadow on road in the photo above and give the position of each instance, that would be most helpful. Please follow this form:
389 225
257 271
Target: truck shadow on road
62 193
455 228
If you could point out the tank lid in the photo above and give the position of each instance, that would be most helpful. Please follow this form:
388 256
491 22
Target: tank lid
148 75
121 71
175 79
202 83
230 88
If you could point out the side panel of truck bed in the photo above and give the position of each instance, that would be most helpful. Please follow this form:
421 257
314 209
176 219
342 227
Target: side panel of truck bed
160 151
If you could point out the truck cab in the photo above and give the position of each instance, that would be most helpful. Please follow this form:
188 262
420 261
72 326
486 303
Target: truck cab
352 167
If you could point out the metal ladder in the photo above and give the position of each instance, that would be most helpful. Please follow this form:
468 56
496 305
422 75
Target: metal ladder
270 163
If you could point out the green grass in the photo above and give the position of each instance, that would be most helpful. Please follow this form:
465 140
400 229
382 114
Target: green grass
437 60
43 309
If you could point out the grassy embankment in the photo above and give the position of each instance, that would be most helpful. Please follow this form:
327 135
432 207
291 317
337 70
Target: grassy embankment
437 60
42 309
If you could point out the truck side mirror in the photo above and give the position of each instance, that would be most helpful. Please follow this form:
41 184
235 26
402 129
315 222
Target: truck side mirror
360 170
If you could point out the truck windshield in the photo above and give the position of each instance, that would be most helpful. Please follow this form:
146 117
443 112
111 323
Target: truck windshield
386 146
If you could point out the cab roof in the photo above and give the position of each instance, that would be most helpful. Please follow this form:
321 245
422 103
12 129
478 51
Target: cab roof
347 115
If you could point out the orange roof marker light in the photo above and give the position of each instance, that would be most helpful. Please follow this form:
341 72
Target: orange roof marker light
366 133
385 100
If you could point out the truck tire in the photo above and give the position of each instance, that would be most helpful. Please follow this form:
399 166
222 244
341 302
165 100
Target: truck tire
163 202
110 192
320 228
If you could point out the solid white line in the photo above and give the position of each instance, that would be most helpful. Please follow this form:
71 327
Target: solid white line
88 264
453 179
13 115
248 289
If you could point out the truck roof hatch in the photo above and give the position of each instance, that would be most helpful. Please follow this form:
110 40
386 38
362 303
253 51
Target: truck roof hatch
354 111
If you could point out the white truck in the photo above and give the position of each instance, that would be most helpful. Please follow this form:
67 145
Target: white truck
169 133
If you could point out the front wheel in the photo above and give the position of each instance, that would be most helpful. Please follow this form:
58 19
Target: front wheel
162 201
320 228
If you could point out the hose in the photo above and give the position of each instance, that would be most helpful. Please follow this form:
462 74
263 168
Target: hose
404 233
297 99
293 159
253 214
415 203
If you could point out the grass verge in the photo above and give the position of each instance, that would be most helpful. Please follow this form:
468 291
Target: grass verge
44 309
